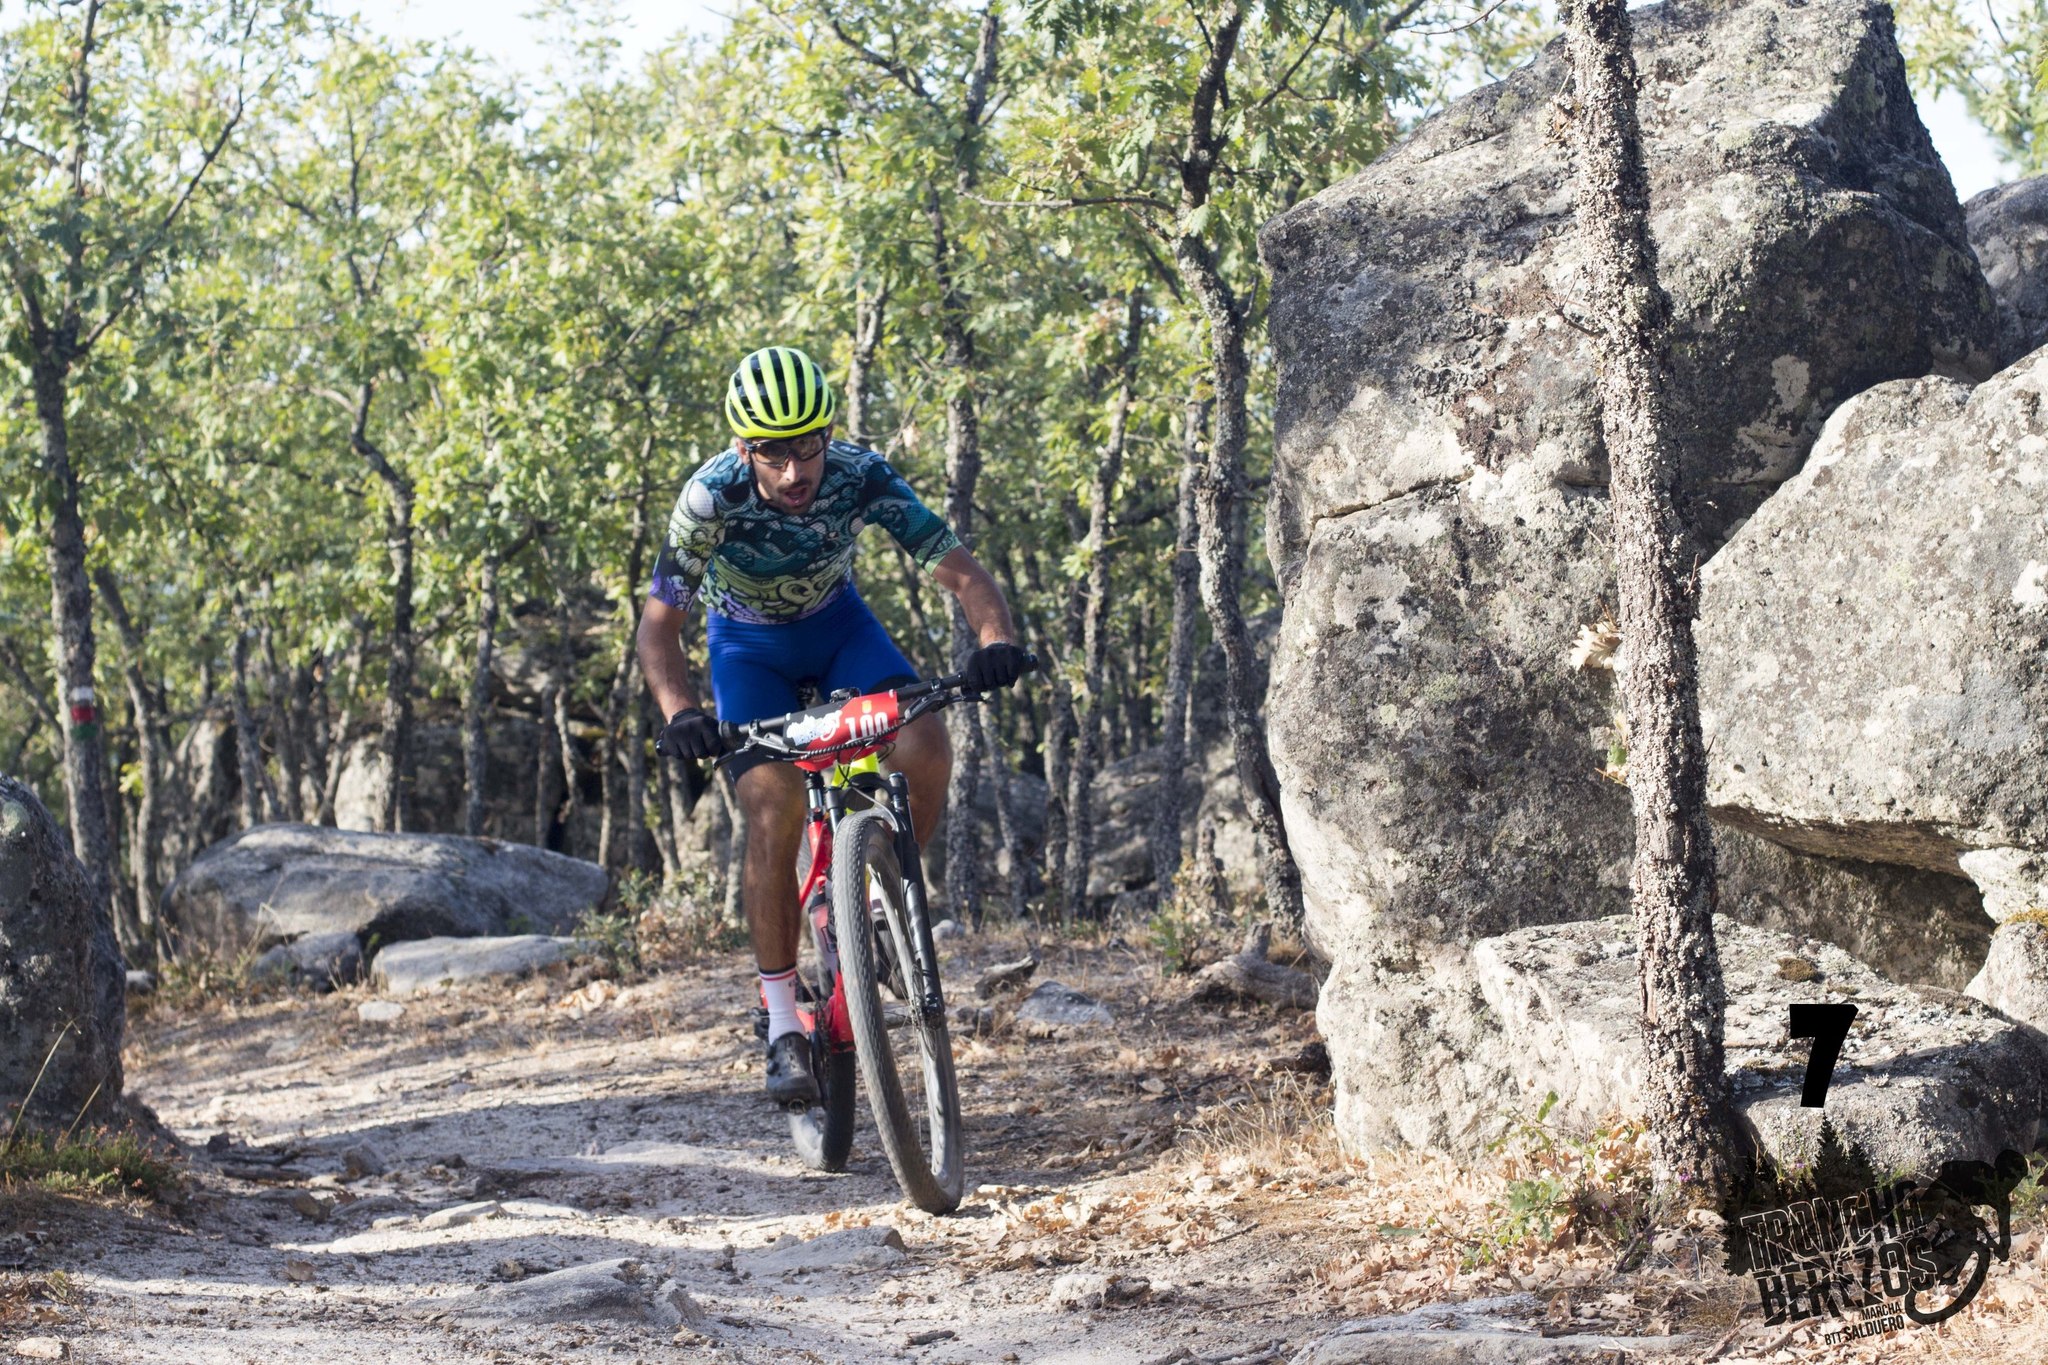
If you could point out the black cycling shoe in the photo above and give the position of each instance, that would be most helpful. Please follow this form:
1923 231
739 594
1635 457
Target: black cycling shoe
790 1082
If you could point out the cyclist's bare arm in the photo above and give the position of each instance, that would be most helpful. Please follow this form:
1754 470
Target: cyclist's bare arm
988 614
662 660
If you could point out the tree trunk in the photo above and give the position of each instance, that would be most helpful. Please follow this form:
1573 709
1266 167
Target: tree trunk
337 733
634 758
611 834
1180 658
1699 1147
145 830
287 792
963 459
476 747
1090 711
256 807
572 785
395 802
868 305
547 765
85 758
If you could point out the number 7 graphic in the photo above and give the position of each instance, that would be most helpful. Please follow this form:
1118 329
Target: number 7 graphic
1827 1025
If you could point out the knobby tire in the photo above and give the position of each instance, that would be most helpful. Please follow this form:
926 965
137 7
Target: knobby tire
927 1163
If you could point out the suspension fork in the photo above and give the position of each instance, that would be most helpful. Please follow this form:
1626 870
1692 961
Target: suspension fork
931 1001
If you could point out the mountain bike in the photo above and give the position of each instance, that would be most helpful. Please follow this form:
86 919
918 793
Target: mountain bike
863 898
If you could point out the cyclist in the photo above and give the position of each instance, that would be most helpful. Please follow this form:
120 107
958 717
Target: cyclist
765 533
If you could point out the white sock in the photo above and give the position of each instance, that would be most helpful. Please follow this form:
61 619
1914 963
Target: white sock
778 992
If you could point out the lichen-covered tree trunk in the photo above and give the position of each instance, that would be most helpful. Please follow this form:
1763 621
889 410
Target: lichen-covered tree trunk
1220 492
1698 1146
475 740
1180 657
1090 707
85 756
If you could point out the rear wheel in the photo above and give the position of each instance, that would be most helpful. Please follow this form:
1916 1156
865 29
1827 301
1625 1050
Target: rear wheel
823 1133
906 1056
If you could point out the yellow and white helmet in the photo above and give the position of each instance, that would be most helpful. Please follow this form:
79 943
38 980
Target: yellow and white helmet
778 392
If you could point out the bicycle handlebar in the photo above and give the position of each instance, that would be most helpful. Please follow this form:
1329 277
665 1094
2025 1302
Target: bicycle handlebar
736 735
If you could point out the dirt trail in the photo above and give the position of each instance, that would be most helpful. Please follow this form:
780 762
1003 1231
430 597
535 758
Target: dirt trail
606 1123
613 1123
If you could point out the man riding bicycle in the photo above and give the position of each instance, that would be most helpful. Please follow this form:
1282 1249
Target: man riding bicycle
766 531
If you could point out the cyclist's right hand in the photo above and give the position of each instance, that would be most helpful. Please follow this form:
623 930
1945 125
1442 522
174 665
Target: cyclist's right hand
692 734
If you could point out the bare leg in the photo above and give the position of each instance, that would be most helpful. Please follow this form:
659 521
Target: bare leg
772 795
924 754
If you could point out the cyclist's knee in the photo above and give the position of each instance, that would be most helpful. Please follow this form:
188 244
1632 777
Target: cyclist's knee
771 796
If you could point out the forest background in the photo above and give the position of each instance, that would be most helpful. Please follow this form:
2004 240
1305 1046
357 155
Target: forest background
350 379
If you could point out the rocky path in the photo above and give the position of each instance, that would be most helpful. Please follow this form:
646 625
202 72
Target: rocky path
562 1172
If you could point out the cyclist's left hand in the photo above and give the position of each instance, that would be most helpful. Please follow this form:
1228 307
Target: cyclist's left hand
993 666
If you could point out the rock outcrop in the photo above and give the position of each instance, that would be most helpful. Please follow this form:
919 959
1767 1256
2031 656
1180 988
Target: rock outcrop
1871 642
277 883
1925 1075
1439 516
62 980
2009 230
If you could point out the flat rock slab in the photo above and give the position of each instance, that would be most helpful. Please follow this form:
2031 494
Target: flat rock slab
1926 1075
875 1247
432 964
619 1292
1493 1331
462 1214
276 883
1055 1005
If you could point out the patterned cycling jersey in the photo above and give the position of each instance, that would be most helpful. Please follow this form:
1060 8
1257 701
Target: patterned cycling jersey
756 563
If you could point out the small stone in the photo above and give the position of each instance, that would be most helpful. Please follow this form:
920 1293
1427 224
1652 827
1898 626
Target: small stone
1054 1005
615 1292
140 982
314 1206
462 1213
43 1348
949 928
363 1160
379 1011
1006 976
927 1338
1797 969
300 1272
1093 1289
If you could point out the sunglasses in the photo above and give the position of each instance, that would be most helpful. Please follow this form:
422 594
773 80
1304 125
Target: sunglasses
777 454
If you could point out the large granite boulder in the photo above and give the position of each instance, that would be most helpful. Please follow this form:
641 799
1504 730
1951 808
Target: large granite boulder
2014 978
1439 517
1925 1075
2009 230
277 883
62 980
1871 642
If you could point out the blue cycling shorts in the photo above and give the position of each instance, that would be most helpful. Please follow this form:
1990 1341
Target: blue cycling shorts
756 666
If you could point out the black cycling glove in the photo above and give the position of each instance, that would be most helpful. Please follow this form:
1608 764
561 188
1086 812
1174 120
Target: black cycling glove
692 734
993 666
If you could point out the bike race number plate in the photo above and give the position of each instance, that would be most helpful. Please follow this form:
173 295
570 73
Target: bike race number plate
859 720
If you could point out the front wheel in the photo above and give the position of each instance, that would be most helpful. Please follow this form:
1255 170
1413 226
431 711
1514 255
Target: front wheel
870 907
